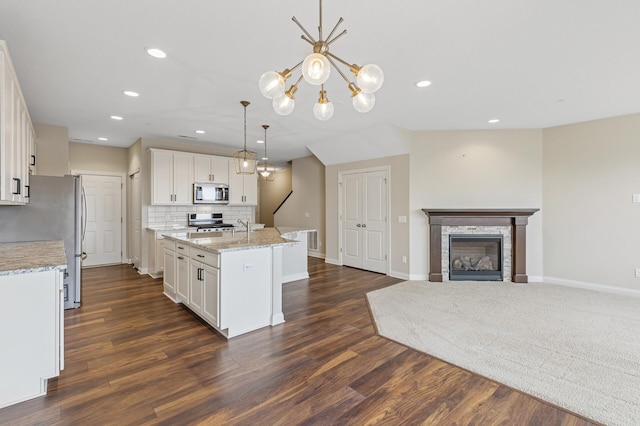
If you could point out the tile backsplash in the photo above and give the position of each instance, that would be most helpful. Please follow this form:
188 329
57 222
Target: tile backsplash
176 216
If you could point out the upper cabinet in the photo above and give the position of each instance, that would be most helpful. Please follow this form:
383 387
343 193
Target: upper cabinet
17 137
209 168
243 189
171 177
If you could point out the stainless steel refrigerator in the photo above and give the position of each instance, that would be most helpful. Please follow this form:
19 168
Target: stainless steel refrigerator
54 212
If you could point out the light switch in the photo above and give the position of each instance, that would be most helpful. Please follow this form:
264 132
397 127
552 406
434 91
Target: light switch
306 214
636 198
402 219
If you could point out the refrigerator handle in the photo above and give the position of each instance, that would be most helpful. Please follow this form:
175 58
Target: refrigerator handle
84 213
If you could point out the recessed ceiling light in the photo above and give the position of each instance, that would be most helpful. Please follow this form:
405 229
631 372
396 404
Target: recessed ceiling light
156 53
131 93
423 83
260 141
103 139
494 121
200 132
116 117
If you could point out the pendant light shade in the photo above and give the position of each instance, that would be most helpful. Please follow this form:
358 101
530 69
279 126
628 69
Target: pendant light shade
323 109
266 170
316 69
370 78
245 161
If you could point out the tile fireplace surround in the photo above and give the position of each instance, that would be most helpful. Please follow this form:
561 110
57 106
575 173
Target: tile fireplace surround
516 219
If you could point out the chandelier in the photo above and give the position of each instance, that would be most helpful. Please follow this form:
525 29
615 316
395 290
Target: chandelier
266 170
316 69
245 161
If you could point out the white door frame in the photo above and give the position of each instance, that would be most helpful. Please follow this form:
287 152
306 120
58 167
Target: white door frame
123 206
387 170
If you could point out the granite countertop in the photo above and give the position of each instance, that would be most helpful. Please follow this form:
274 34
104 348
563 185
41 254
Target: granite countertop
260 238
170 228
34 256
288 229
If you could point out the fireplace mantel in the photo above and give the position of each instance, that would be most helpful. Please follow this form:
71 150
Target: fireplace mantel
516 218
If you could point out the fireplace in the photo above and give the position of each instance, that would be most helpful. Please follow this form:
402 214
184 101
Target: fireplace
510 223
475 257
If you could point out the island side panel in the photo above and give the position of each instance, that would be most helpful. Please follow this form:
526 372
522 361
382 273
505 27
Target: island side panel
245 290
277 317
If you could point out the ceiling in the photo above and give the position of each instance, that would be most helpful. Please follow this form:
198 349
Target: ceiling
531 64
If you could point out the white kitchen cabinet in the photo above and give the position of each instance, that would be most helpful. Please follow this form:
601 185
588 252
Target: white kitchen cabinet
243 189
205 280
169 275
182 273
32 332
171 177
196 291
209 168
16 135
211 296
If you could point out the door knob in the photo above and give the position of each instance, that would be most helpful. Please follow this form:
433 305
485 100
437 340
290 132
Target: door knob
358 225
364 225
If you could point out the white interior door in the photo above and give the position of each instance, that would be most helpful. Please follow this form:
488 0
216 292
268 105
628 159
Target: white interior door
103 210
364 220
135 219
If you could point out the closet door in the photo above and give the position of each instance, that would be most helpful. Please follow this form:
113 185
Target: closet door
364 220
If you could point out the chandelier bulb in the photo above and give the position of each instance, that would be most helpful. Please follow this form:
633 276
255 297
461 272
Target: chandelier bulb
283 104
271 84
364 102
316 69
323 109
370 78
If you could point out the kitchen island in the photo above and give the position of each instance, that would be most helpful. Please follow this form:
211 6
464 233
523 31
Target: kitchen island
295 257
31 319
232 282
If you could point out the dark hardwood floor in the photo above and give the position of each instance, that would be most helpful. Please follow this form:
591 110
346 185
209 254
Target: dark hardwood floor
134 357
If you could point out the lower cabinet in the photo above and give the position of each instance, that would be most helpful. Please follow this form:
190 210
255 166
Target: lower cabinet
169 278
32 334
182 276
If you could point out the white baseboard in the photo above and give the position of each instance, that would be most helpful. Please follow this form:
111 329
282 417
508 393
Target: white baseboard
294 277
417 277
536 279
143 271
592 286
399 275
156 275
332 261
316 254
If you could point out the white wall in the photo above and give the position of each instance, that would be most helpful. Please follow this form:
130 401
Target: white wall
475 169
591 226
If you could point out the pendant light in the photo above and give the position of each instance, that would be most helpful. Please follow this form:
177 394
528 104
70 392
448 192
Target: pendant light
266 170
245 161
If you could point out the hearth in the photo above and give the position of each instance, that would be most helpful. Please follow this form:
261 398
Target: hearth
475 257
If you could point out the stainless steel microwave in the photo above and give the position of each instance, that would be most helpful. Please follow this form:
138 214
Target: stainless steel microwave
210 193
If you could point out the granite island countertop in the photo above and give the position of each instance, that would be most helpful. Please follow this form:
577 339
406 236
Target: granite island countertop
33 256
290 229
266 237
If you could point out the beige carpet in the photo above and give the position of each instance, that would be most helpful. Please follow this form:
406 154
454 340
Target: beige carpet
577 349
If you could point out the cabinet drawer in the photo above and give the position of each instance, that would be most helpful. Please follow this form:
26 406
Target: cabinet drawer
206 257
182 248
170 245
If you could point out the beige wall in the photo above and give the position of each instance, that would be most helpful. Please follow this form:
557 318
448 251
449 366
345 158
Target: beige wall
475 169
271 194
98 158
591 226
306 206
52 150
399 206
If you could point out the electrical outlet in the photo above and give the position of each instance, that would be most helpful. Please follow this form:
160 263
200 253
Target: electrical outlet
247 267
306 214
636 198
404 259
402 219
637 272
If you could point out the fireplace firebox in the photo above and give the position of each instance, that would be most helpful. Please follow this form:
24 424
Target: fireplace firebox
475 257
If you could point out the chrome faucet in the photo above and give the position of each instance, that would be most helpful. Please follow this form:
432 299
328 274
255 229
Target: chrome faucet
246 224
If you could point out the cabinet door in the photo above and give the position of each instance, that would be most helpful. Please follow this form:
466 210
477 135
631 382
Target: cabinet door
182 278
202 168
161 177
182 178
251 189
220 169
159 255
169 278
196 282
211 294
